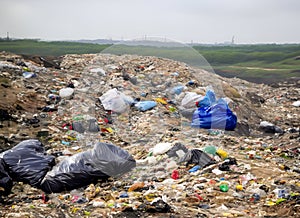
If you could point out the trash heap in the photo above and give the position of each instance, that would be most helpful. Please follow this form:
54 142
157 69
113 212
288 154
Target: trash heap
100 135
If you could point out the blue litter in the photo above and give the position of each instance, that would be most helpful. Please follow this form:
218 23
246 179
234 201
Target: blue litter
28 75
145 105
190 83
208 100
65 143
177 90
194 169
124 195
212 114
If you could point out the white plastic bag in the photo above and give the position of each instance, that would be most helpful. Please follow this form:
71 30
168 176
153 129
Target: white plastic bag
161 148
190 99
66 93
115 101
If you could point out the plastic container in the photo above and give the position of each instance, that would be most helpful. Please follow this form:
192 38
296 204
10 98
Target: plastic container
223 154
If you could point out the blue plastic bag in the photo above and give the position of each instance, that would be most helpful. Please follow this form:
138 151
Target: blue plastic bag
177 90
208 100
216 116
145 105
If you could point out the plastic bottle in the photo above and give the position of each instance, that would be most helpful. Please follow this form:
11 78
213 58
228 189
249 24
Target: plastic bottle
223 154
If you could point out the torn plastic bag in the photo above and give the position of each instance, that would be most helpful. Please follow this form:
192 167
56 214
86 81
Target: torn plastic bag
5 180
208 100
178 150
268 127
197 157
116 101
85 125
190 99
27 162
101 162
78 127
217 116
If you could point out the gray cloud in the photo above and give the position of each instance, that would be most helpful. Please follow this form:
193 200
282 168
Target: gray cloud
207 21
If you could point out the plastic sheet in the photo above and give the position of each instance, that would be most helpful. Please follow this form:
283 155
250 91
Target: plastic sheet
197 157
101 162
5 180
177 150
27 162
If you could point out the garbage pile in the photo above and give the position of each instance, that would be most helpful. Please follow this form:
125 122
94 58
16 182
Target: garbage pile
100 135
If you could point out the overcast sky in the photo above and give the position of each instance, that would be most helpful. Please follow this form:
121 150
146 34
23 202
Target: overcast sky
203 21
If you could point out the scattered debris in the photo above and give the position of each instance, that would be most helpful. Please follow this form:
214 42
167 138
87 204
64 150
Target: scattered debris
100 116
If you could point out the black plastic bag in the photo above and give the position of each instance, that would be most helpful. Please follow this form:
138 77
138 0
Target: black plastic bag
5 180
86 125
225 166
27 162
101 162
177 147
197 157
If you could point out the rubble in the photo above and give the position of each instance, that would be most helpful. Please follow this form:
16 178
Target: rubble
82 100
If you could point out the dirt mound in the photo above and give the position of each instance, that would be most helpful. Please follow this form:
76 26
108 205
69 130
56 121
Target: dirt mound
255 172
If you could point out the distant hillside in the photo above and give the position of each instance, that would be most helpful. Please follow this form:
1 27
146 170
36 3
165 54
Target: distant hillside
52 48
256 63
266 63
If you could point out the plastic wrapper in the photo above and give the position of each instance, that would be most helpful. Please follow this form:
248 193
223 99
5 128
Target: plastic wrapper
101 162
145 105
27 162
5 180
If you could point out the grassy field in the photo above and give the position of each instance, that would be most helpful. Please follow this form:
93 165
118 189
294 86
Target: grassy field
258 63
43 48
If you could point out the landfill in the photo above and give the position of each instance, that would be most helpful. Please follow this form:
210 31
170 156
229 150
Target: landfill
102 135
